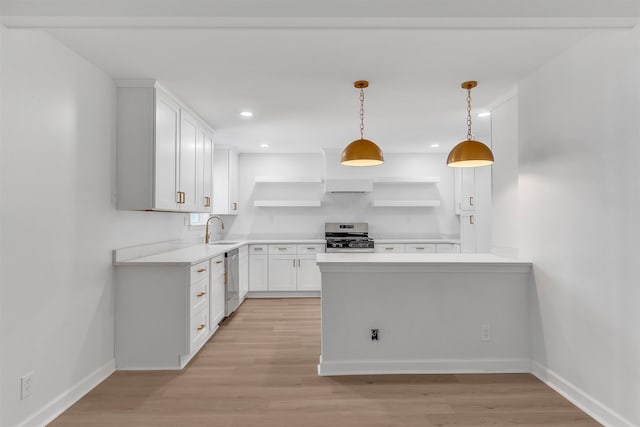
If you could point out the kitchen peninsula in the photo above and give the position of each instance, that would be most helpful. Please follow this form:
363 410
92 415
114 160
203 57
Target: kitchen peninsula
424 313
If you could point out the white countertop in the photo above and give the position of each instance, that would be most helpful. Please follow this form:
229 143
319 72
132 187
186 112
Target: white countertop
196 253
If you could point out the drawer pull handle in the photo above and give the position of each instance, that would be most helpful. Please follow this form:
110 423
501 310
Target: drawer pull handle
388 249
311 249
419 248
202 270
201 327
282 249
201 294
257 249
219 262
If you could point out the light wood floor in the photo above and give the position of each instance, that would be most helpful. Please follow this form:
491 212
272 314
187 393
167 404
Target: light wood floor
259 369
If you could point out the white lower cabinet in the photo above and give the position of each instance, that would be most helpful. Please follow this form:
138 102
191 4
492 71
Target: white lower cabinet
258 273
243 265
162 315
216 291
308 273
282 272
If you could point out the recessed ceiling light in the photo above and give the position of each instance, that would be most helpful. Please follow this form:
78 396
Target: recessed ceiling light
246 114
264 146
435 145
485 114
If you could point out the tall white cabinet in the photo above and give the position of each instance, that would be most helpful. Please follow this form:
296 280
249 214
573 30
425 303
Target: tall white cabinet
225 182
465 206
161 151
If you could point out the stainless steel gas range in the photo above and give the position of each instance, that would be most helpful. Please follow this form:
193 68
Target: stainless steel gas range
348 237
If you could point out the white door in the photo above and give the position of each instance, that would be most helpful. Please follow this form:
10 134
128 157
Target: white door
258 273
308 273
165 152
282 272
188 162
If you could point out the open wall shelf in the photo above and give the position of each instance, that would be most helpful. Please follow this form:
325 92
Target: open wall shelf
289 179
287 203
406 203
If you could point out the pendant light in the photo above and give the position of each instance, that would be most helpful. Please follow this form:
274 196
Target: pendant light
469 153
362 152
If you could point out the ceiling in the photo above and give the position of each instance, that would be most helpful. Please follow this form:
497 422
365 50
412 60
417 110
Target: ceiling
294 68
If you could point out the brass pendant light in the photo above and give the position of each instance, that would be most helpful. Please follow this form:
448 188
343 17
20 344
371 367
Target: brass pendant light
469 153
362 152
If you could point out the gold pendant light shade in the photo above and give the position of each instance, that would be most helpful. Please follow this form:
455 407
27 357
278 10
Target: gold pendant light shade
362 152
469 153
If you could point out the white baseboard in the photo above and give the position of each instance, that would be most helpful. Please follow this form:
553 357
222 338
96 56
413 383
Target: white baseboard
432 366
593 407
70 396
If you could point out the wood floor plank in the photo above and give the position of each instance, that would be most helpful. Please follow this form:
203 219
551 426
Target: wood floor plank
259 369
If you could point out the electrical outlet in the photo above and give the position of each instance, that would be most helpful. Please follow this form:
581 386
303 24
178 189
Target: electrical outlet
26 388
374 335
485 332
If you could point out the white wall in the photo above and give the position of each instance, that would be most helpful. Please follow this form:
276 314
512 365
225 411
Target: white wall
58 223
262 222
504 183
579 186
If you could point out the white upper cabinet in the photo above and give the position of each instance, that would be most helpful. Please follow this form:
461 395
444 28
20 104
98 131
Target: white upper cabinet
225 182
161 152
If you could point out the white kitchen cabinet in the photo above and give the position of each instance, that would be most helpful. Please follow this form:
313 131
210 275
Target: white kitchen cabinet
468 232
420 248
389 248
205 170
308 276
158 152
464 195
243 265
258 273
216 291
162 315
282 272
225 182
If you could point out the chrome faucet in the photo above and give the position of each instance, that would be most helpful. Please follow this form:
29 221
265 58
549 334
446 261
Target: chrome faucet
207 234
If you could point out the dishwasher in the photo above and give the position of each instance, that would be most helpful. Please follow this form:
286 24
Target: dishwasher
231 282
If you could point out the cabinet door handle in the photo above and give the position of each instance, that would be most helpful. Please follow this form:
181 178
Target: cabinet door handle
207 202
235 206
471 220
181 197
294 263
470 200
219 262
298 262
201 294
202 270
201 327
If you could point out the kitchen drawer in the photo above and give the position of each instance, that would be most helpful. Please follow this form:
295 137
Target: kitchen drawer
420 248
199 296
217 265
199 329
389 248
282 249
310 249
447 248
199 272
258 249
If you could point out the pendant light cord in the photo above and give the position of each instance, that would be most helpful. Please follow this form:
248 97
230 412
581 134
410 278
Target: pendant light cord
468 114
361 113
